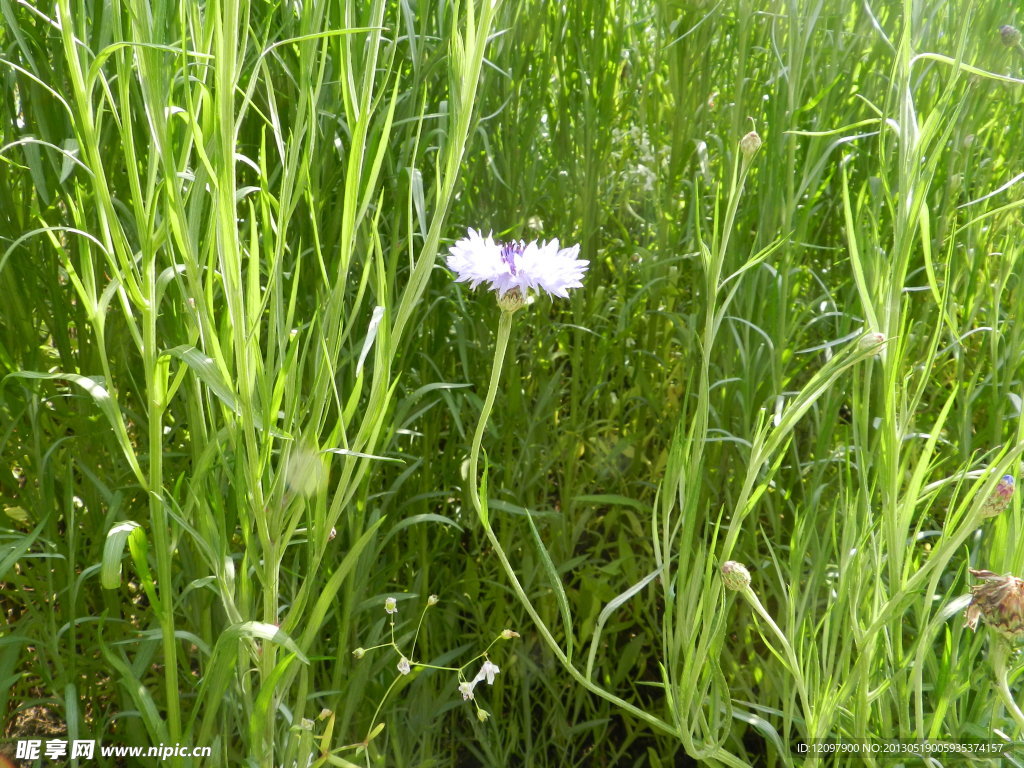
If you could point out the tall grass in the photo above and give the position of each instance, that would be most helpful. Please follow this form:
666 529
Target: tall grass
238 399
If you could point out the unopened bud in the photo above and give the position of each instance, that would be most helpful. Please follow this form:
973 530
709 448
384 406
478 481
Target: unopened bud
1000 498
512 301
508 634
872 340
359 653
749 144
735 575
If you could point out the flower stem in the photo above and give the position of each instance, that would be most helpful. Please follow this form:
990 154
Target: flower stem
1000 654
504 332
480 505
791 660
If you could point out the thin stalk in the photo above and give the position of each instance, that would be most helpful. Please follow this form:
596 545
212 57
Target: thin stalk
1000 655
501 345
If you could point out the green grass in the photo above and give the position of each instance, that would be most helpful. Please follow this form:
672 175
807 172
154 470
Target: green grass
238 389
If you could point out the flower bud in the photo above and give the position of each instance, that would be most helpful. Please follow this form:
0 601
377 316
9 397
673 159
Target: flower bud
508 634
432 600
512 301
749 144
403 665
872 340
359 653
1000 498
1000 601
735 575
482 715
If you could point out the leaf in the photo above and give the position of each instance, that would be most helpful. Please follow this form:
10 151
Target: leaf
17 513
556 585
113 551
608 610
107 405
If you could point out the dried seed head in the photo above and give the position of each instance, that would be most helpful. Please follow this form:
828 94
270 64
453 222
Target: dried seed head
735 575
1010 35
1000 601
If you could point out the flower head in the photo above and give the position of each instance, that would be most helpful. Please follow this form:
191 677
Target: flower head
1000 600
391 605
517 265
487 672
735 575
466 689
1000 498
403 665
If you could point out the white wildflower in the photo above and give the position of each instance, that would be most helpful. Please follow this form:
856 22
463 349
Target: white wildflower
487 672
535 266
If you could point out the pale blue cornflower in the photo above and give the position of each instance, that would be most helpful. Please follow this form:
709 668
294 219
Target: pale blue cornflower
517 265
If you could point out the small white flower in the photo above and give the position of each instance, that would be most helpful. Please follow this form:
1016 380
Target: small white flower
535 266
403 665
487 672
466 689
391 605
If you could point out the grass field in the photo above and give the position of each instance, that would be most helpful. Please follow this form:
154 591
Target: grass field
273 483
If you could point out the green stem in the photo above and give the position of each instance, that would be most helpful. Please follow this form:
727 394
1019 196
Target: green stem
479 504
791 660
1000 655
504 331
